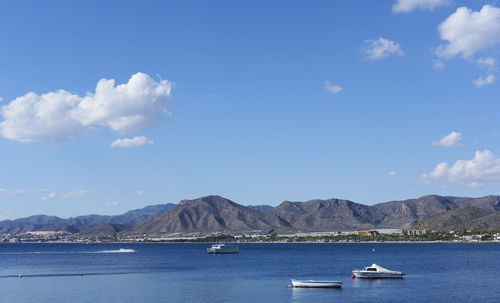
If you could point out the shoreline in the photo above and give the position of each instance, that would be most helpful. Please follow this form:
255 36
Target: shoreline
259 242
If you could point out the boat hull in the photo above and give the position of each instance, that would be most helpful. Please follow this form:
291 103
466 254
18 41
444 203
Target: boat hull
376 275
218 252
316 284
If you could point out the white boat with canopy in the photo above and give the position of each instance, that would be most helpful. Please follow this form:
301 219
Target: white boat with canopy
223 249
377 272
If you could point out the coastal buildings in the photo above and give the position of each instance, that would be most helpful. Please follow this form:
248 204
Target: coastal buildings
414 232
367 233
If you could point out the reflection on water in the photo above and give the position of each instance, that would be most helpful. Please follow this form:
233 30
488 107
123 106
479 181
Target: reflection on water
300 294
363 283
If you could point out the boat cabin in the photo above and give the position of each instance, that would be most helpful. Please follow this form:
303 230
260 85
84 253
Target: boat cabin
370 269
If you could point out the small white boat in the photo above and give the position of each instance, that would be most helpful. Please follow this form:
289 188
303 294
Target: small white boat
316 284
223 249
377 272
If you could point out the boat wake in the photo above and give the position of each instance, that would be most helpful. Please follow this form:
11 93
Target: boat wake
111 251
114 251
78 274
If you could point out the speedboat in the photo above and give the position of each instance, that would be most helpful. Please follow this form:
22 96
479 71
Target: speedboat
377 272
223 249
316 284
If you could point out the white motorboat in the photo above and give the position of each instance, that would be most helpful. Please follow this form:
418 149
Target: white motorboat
316 284
223 249
377 272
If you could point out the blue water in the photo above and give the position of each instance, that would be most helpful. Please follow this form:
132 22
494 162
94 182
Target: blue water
183 272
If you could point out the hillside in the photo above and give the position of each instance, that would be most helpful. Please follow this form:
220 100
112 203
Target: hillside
405 213
210 214
261 207
328 215
466 218
82 224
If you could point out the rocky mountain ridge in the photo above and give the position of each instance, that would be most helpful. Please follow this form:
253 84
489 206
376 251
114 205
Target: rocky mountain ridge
217 214
85 224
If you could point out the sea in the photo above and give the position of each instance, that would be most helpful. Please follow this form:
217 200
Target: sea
261 272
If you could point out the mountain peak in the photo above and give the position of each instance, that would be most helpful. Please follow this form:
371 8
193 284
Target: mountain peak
208 201
209 214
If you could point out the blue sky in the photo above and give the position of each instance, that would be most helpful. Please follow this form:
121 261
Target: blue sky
256 101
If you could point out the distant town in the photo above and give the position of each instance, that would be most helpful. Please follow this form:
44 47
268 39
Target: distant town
373 235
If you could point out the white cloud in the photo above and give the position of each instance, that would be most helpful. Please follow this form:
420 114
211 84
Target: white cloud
380 49
140 192
392 173
114 204
61 115
40 118
452 139
131 142
332 88
486 62
404 6
76 194
125 107
438 65
423 180
474 184
479 82
18 192
50 196
483 167
468 32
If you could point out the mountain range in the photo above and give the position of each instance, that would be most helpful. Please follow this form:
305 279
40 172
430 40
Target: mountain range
90 224
217 214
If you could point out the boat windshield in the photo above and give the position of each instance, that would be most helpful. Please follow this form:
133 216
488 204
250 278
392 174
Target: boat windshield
370 269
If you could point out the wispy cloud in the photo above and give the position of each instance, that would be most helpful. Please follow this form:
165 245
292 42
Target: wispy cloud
474 184
332 88
50 196
76 194
131 142
405 6
486 62
113 204
438 65
392 173
18 192
140 193
480 82
452 139
381 48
